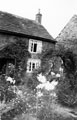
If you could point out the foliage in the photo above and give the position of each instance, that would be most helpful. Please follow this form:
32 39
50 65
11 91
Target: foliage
45 114
5 90
32 82
21 105
18 51
17 110
42 106
67 87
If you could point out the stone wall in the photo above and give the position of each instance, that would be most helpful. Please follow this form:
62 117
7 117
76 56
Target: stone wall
7 40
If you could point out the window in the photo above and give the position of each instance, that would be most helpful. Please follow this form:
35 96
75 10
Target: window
35 46
33 64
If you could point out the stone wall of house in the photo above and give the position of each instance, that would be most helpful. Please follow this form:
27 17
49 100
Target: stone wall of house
6 39
68 35
46 46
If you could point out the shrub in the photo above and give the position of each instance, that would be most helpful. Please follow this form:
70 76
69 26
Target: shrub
5 92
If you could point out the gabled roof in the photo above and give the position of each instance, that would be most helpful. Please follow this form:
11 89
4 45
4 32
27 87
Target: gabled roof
19 25
69 33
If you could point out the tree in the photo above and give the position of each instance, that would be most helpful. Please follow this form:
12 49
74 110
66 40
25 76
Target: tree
67 59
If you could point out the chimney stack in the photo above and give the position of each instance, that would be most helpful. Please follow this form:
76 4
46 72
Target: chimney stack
38 17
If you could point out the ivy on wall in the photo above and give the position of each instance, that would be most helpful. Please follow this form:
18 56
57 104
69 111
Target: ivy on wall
18 51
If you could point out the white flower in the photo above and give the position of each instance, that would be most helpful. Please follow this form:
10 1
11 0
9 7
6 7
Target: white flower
39 94
53 94
40 86
52 73
61 69
58 75
47 85
11 80
51 86
41 78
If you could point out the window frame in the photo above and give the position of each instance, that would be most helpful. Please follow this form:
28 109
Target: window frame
32 43
33 63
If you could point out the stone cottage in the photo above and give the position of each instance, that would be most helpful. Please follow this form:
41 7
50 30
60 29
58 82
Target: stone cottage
68 35
37 39
67 39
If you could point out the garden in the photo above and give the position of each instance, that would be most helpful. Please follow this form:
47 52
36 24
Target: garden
49 94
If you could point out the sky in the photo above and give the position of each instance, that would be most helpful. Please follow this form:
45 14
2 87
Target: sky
55 13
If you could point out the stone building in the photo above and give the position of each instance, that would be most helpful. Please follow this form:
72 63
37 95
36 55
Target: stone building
68 35
37 39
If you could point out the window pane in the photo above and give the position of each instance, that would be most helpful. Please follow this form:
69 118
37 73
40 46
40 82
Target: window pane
35 47
39 46
37 65
32 47
30 66
33 66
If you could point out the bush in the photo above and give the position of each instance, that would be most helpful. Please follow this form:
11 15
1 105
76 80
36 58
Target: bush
5 90
32 81
66 96
17 110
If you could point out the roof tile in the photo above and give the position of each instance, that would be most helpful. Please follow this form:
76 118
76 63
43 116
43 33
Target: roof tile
21 25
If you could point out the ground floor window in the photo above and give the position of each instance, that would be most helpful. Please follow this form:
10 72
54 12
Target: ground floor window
33 64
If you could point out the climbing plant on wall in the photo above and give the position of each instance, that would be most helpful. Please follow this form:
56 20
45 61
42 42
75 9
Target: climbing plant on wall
17 50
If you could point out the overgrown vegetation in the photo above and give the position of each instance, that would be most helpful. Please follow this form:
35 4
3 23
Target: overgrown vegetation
18 52
67 87
27 100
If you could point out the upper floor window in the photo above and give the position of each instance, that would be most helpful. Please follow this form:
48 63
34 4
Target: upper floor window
33 64
35 46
